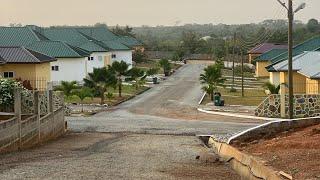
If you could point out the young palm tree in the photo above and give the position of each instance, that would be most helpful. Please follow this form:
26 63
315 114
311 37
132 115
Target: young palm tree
100 79
212 78
137 75
82 94
67 87
273 89
165 64
120 69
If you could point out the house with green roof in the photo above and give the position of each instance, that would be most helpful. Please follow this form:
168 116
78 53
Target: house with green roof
26 65
312 44
71 64
102 53
120 50
265 60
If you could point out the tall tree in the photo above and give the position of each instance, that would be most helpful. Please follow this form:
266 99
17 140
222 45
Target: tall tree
100 80
212 78
313 25
120 69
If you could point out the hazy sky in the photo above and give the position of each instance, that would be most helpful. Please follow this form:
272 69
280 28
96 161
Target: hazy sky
146 12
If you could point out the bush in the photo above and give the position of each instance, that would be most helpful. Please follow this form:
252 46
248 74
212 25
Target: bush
7 87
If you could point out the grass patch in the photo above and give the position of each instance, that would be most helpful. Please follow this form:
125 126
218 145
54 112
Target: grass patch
251 98
228 72
127 92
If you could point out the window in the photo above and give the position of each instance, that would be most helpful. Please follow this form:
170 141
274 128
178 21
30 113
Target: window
113 56
8 74
55 68
91 58
88 58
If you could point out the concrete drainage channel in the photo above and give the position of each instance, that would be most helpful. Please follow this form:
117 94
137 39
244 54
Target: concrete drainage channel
245 165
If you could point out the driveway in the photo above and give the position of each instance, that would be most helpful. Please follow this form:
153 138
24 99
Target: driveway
149 137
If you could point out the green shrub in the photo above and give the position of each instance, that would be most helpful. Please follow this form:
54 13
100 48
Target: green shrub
7 87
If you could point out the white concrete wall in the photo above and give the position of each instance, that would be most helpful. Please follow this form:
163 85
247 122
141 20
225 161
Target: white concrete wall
275 78
125 56
70 69
98 60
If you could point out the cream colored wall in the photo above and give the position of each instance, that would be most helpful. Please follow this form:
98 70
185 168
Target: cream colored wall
312 86
299 82
274 78
261 70
37 74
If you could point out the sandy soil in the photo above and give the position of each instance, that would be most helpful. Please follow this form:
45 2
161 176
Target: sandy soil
116 156
296 153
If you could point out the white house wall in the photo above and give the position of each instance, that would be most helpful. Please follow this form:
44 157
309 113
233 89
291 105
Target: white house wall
98 60
125 56
70 69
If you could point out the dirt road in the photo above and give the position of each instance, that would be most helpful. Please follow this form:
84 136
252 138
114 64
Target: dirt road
149 137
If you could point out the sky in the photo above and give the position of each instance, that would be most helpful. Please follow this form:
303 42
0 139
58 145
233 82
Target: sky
147 12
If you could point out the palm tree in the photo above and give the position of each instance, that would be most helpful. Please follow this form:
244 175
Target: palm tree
82 94
137 75
273 89
67 87
100 79
212 78
165 64
120 69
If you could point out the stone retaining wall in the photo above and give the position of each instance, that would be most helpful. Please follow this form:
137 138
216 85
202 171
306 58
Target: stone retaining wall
304 106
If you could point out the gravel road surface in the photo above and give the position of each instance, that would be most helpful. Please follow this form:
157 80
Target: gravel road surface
149 137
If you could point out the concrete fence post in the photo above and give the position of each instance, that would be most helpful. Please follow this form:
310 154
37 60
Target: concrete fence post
37 112
17 112
283 100
50 108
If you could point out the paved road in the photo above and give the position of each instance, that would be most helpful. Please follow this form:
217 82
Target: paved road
169 108
149 137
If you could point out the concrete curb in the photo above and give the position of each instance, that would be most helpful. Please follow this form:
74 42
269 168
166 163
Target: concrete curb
245 165
273 128
202 98
236 115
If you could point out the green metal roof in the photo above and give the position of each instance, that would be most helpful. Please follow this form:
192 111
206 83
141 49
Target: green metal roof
17 36
57 49
110 45
73 37
99 33
129 41
309 45
268 56
115 45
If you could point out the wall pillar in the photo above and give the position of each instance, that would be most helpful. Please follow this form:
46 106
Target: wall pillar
283 100
17 112
37 112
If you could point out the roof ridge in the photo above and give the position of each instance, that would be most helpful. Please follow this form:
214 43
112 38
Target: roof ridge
34 34
29 53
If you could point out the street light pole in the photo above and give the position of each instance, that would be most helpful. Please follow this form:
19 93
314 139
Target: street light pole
290 47
291 13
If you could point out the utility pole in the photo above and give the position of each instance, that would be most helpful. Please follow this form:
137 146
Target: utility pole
290 47
233 58
242 78
291 13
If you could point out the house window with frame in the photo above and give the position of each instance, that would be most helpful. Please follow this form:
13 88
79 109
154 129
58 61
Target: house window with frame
8 74
113 56
91 58
55 68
